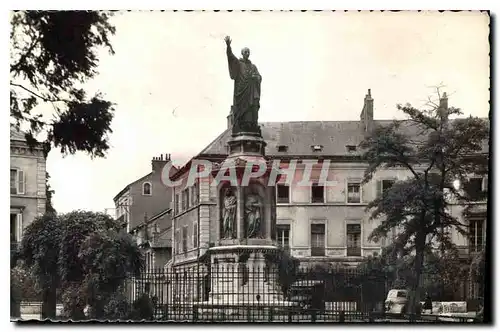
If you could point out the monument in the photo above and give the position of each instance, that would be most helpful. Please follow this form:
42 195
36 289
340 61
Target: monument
243 275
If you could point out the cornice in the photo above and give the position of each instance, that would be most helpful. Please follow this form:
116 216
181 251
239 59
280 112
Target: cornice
20 150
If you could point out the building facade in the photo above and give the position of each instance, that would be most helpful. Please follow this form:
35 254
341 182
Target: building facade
143 207
314 223
27 184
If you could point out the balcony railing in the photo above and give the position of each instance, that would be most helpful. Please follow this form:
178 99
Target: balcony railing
317 251
353 251
283 200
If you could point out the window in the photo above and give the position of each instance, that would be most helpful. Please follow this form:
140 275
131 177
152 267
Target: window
353 239
146 188
475 188
184 238
317 239
385 185
195 235
401 294
17 182
351 148
317 148
177 204
13 228
177 240
185 199
194 194
317 193
283 236
353 192
476 235
282 193
16 226
282 148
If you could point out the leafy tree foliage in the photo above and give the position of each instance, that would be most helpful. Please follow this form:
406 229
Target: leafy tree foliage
49 192
477 270
287 267
85 255
435 150
52 53
442 273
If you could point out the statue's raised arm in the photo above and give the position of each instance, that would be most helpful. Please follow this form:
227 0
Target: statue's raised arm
232 60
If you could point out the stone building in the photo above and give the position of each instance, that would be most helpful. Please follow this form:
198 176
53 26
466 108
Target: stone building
27 184
143 207
315 223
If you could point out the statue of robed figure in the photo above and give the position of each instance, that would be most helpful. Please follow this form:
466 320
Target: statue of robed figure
253 215
246 97
229 215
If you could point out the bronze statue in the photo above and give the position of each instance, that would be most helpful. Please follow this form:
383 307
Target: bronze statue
229 215
253 215
246 97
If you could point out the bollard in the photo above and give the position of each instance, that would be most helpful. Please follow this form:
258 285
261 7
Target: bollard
342 316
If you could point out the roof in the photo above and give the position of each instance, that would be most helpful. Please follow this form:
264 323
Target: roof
160 214
134 182
128 186
153 218
300 136
16 135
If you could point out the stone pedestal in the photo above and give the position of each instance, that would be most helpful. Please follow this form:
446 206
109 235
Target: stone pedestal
242 275
243 283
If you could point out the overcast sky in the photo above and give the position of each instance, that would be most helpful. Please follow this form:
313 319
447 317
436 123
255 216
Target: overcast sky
314 66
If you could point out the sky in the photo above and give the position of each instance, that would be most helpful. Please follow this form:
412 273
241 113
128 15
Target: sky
170 82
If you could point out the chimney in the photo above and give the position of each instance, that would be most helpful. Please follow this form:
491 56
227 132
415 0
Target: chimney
158 163
443 108
230 119
367 112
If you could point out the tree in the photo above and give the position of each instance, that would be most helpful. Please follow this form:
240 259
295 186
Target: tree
52 53
477 270
49 208
85 255
442 275
435 150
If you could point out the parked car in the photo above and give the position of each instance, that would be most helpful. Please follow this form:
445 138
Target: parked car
396 301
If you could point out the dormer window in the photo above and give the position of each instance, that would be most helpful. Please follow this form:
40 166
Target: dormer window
351 148
317 148
282 148
146 189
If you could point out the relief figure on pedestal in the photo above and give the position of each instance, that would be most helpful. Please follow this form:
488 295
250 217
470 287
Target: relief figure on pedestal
253 215
229 215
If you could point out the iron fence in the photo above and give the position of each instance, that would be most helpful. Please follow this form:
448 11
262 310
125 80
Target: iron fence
240 292
229 291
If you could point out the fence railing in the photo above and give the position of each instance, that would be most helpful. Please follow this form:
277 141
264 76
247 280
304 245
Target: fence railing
237 291
234 291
